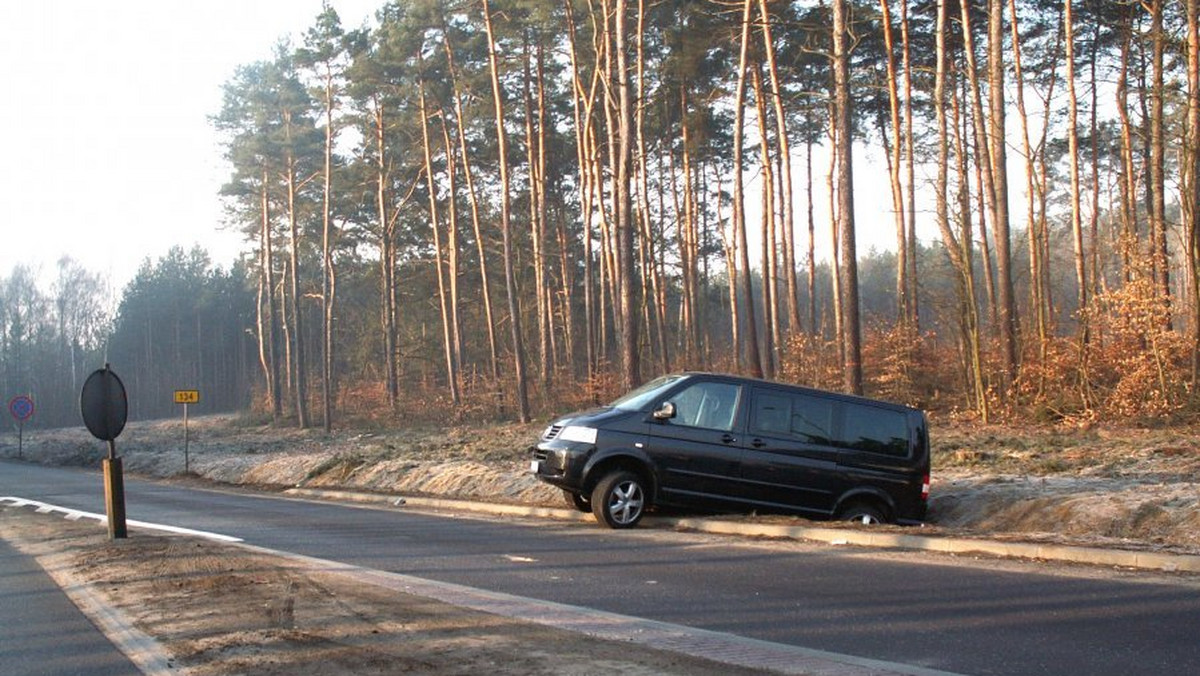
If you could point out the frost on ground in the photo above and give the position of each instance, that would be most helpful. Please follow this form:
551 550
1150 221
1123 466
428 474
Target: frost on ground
1132 488
1125 488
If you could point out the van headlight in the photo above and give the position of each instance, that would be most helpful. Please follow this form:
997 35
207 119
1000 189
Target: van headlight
583 435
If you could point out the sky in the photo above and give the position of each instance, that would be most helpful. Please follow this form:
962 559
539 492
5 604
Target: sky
108 153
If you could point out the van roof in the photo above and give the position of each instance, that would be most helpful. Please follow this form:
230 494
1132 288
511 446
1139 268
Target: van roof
802 388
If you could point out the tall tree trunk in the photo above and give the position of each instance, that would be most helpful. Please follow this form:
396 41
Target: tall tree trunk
582 105
910 176
754 359
1193 172
987 162
1129 183
903 302
328 280
606 251
1009 323
566 257
261 331
770 286
1042 176
697 186
285 335
811 258
730 240
785 161
611 292
973 340
835 260
988 167
985 254
543 213
505 223
1073 158
1094 217
656 299
852 335
268 272
1036 268
537 226
299 364
387 261
473 198
435 225
1076 203
689 240
452 262
954 251
630 370
1158 187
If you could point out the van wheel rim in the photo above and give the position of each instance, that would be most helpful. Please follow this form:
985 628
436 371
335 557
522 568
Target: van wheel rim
626 504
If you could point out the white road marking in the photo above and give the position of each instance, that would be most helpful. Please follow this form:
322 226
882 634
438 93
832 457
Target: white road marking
75 515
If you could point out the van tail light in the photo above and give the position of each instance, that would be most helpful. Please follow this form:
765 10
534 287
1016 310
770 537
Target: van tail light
925 489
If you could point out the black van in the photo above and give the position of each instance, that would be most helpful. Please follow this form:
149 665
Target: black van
727 443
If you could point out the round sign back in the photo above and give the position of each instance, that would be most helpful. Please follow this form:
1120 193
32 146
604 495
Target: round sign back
104 405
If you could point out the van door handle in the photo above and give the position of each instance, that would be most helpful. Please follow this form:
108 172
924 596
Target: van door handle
728 439
758 443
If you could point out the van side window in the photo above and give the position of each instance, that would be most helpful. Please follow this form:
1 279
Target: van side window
708 405
876 430
805 419
772 414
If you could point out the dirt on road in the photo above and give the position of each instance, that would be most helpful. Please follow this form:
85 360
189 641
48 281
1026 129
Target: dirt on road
220 609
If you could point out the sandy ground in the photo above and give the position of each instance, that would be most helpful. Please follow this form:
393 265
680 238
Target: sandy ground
219 609
1129 488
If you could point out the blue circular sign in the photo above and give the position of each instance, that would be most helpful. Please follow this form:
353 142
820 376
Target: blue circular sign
21 407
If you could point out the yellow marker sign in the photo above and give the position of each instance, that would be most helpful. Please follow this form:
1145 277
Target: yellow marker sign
187 396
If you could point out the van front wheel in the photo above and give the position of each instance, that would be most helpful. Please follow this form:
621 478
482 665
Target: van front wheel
619 500
864 514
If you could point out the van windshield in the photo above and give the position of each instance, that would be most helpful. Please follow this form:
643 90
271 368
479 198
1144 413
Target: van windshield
638 398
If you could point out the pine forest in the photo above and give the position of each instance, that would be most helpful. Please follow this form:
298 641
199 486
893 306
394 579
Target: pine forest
509 209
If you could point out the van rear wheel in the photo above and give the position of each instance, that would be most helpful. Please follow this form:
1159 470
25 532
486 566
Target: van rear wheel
619 500
864 514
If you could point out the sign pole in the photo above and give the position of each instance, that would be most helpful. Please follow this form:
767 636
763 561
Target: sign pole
186 397
21 408
105 408
114 494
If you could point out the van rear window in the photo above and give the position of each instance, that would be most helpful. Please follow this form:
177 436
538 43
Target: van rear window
875 430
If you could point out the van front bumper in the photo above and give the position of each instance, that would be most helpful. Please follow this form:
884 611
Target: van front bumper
558 465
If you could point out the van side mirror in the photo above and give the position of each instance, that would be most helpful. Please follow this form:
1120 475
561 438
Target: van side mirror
665 412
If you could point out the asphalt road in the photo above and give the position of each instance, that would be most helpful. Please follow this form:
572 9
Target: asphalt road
42 633
925 612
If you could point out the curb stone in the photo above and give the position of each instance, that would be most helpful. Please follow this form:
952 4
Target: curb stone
1171 563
